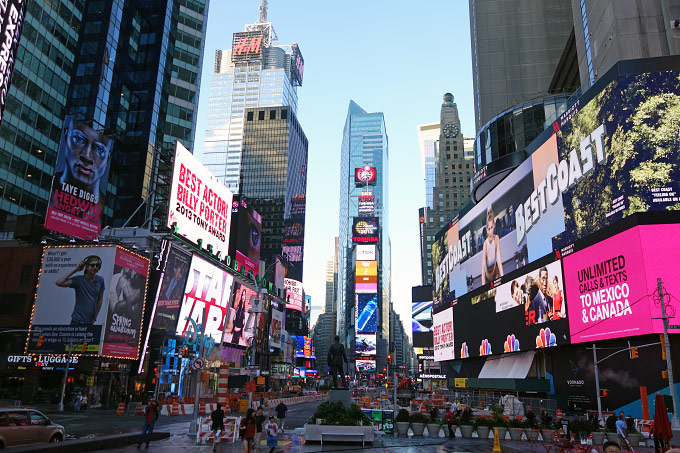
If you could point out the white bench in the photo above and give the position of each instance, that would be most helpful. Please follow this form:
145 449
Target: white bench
362 435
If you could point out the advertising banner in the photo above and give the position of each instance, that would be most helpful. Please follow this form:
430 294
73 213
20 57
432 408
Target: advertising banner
12 14
127 293
294 294
294 231
367 268
79 183
75 287
595 169
207 287
612 285
365 175
366 344
366 366
246 234
366 206
366 313
238 320
275 331
365 230
175 262
442 335
421 316
365 252
247 45
200 206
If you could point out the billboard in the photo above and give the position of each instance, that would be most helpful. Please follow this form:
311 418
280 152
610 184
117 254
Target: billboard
442 335
421 316
365 252
366 366
366 344
127 293
275 328
208 287
612 285
12 14
238 322
365 175
175 263
294 233
611 155
80 179
247 45
365 230
366 205
246 234
297 64
294 294
92 296
366 313
200 206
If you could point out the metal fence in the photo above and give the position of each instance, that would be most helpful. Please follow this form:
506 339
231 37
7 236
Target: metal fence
482 400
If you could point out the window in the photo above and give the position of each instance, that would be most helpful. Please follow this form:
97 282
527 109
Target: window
448 156
272 114
250 116
455 156
38 419
284 114
18 418
260 115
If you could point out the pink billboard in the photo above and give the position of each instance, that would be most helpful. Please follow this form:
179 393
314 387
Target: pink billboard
611 285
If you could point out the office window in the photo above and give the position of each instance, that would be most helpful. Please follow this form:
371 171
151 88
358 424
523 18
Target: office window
272 114
260 115
250 116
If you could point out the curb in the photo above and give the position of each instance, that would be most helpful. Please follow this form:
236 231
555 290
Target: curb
91 444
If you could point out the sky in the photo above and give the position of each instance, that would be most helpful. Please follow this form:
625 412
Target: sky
395 57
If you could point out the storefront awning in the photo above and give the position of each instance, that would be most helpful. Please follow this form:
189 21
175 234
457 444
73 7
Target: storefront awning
508 366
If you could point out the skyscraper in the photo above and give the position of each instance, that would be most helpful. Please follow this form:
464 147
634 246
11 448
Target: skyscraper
364 224
453 169
255 72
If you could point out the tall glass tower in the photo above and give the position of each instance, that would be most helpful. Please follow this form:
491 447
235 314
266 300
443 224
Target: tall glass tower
364 145
255 72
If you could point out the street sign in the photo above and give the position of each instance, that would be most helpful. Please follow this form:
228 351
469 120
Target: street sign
198 363
674 326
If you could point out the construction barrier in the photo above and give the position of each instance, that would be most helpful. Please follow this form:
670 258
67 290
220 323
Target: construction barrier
121 409
177 409
297 400
204 432
139 409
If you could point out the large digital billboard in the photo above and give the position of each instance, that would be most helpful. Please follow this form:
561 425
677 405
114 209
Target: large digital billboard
442 335
294 294
366 344
174 262
366 366
297 64
612 285
208 287
92 297
200 206
79 183
365 230
366 313
611 155
365 175
246 234
421 316
12 14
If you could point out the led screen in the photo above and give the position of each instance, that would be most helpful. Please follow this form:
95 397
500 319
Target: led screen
366 313
294 294
421 317
246 234
365 252
208 287
442 335
365 344
611 155
239 322
366 366
175 262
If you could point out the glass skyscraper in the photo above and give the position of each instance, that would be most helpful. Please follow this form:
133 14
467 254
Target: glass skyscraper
267 79
364 143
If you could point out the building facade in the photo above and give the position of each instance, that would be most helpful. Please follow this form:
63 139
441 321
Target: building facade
364 146
263 74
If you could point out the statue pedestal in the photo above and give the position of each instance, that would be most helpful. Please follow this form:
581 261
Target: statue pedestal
344 395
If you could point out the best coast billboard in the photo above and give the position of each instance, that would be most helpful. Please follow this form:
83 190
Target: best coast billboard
612 154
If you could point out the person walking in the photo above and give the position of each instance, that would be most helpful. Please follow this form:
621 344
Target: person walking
272 432
78 402
150 417
281 412
247 431
450 420
217 418
259 422
336 359
83 403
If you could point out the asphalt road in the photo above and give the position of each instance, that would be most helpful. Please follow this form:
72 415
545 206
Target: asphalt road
101 422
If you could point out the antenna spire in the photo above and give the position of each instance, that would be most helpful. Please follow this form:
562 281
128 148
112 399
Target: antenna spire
263 12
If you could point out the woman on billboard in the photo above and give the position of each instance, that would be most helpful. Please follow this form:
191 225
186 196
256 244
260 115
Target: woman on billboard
492 263
237 325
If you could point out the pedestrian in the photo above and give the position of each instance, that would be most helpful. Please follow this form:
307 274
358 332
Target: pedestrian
272 432
247 430
281 411
259 422
78 401
83 404
150 417
217 427
611 447
450 420
621 427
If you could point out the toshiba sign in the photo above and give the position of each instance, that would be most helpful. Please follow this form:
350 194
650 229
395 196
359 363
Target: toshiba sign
366 230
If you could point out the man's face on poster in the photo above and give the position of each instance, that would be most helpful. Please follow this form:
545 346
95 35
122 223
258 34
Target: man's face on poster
87 155
543 278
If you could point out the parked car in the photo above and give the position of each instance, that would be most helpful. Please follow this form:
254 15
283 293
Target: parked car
26 427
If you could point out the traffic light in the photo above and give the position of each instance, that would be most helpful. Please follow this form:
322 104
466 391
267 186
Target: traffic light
389 359
634 353
40 341
604 393
663 347
84 348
